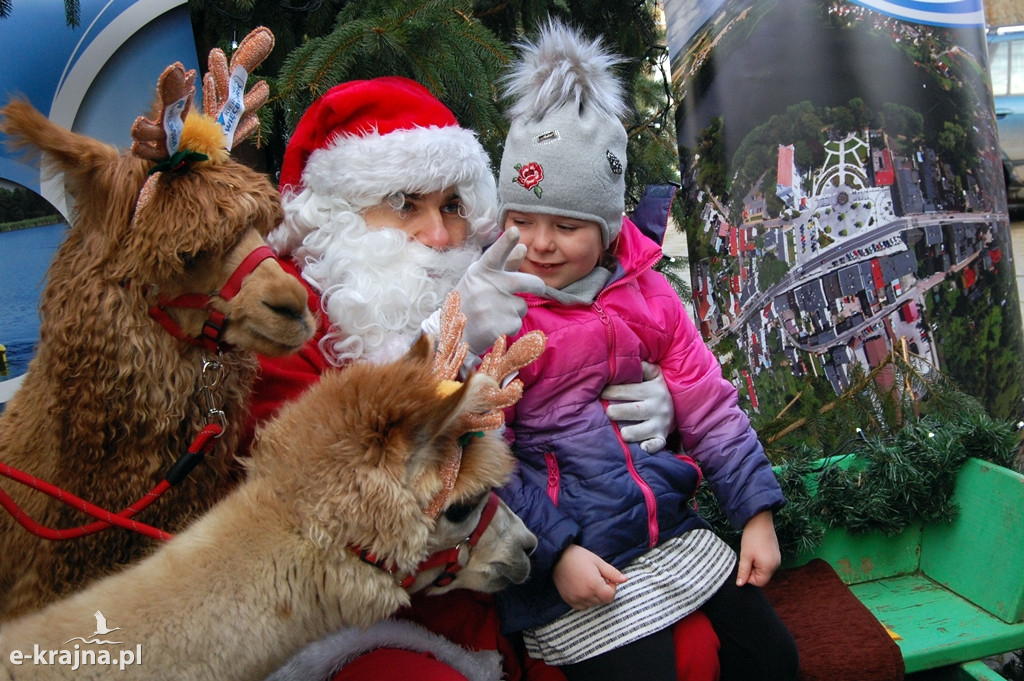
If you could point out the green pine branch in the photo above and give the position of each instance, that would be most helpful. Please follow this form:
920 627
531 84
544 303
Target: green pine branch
882 457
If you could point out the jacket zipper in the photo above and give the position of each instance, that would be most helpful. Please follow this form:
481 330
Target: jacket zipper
649 499
554 478
609 335
645 489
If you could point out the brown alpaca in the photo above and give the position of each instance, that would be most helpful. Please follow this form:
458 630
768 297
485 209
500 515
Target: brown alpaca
274 566
111 399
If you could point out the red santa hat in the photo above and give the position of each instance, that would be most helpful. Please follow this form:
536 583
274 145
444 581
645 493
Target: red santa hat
365 139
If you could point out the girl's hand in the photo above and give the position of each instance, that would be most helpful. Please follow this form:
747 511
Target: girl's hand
584 580
759 551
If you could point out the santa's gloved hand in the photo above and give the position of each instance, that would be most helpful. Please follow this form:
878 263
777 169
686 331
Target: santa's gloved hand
647 403
488 291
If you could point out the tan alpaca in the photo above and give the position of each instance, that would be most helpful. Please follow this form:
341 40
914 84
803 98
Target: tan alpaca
112 399
272 567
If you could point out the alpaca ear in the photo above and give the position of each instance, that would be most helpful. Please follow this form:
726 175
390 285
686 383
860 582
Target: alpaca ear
421 350
454 408
467 404
76 156
444 432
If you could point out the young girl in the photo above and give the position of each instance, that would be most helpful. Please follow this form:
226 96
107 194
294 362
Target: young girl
623 555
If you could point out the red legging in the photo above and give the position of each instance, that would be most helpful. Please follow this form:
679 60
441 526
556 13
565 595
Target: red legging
691 644
697 648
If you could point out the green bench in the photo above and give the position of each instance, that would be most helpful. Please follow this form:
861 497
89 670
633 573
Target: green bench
953 593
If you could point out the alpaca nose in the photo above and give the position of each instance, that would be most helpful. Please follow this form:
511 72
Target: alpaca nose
290 303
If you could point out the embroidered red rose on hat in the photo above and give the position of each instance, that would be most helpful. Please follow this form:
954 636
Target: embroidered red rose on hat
530 177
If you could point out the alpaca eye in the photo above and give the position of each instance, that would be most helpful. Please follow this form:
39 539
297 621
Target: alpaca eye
457 513
190 260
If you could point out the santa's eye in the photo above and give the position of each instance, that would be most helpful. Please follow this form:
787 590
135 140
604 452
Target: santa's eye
399 202
455 206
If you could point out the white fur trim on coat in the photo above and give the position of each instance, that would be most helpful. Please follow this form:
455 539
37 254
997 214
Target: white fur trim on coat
321 660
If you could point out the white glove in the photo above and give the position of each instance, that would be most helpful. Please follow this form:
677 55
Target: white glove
488 291
648 403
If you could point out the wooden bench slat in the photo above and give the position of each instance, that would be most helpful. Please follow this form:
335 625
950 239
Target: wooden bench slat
937 627
977 671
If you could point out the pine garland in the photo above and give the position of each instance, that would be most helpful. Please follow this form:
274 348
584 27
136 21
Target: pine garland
894 470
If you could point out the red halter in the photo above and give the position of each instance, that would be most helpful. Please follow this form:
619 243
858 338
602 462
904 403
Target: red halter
210 339
213 328
453 559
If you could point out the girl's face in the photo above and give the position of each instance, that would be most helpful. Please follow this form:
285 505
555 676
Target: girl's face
559 250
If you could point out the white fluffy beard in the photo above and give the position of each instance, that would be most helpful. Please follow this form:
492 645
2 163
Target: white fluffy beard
376 285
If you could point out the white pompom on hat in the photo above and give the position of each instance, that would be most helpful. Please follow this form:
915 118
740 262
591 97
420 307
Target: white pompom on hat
366 139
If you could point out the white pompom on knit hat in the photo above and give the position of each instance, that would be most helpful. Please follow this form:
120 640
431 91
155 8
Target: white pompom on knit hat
366 139
565 153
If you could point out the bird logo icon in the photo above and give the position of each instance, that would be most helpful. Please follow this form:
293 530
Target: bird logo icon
101 630
101 625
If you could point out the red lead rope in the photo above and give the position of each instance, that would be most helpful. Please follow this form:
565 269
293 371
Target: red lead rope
106 518
210 338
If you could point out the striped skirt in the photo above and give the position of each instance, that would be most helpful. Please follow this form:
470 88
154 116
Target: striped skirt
665 585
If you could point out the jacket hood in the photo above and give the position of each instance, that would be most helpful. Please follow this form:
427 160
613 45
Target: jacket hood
635 251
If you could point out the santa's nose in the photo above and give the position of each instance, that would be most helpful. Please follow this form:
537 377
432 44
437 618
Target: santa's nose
432 231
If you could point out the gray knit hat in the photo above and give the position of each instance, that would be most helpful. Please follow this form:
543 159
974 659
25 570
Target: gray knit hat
566 148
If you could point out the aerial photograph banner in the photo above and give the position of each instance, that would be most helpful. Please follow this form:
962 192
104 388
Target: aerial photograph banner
845 197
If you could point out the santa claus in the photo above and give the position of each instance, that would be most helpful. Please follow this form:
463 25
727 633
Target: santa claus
389 204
